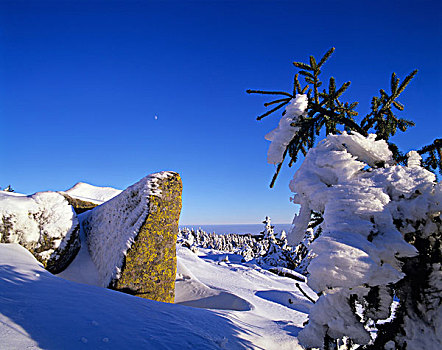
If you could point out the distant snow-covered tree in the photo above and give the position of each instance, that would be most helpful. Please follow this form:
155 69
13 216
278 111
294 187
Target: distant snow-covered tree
267 249
278 253
8 189
246 245
377 214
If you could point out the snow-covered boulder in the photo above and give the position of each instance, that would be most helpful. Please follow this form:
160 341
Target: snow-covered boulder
132 237
79 205
90 193
84 197
44 223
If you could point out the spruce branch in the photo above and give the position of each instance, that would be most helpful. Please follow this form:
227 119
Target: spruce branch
326 112
278 169
304 293
268 92
301 65
326 57
276 101
430 155
381 118
272 110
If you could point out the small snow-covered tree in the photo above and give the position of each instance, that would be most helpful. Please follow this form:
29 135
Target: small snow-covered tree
269 232
8 189
277 253
379 213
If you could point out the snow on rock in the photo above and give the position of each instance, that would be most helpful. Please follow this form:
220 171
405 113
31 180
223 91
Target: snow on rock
91 193
284 133
43 223
353 182
131 238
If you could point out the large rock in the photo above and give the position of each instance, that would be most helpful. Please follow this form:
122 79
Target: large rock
43 223
83 196
132 237
79 205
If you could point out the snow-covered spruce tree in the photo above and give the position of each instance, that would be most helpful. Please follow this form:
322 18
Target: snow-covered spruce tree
246 245
380 214
277 252
8 189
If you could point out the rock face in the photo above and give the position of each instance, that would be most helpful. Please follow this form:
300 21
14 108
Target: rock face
44 223
84 197
79 205
132 237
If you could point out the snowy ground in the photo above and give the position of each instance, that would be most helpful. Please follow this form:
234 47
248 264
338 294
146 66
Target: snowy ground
224 305
220 303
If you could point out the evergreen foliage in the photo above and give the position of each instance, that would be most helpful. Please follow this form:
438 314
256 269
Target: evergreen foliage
327 112
8 189
419 290
266 249
432 156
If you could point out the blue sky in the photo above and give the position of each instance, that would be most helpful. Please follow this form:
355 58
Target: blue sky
82 81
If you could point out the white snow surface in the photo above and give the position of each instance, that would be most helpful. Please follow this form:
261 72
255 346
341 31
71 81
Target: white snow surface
284 133
91 193
224 304
111 227
360 244
31 219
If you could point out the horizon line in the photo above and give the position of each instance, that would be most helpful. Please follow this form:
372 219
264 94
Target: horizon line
273 223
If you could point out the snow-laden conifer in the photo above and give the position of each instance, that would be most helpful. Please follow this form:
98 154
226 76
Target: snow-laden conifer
375 215
361 248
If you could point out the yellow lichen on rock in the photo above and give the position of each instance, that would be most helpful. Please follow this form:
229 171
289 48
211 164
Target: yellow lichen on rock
149 268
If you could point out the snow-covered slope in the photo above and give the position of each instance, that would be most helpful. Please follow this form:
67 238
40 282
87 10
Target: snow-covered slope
270 308
42 311
91 193
250 308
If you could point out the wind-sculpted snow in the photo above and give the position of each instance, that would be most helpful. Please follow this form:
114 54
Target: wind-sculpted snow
361 194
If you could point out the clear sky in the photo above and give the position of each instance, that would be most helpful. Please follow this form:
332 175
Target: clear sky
82 81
